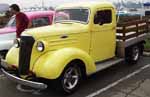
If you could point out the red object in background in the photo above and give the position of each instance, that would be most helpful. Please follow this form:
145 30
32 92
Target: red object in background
10 28
22 22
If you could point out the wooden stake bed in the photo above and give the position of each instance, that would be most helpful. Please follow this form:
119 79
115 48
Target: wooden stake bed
130 33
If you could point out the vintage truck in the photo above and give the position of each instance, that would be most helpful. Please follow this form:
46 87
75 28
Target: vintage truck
8 33
87 39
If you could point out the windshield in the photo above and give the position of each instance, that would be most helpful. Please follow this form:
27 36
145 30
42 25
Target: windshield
12 22
76 15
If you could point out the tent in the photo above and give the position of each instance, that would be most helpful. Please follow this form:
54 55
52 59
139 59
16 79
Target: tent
4 7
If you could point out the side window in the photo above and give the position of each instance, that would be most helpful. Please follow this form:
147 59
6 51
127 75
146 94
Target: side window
41 21
103 17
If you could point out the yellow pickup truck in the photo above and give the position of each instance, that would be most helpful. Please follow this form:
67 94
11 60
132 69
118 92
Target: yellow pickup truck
83 41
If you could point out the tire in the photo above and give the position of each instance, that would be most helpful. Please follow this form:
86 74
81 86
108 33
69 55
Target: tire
70 79
133 54
141 46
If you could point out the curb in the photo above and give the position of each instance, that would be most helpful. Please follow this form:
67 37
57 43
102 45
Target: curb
146 54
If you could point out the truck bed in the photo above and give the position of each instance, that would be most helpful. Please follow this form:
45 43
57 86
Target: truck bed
130 33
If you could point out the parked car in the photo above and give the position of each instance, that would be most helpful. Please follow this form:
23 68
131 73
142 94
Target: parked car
88 40
8 33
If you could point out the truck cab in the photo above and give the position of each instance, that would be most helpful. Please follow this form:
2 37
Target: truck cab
84 40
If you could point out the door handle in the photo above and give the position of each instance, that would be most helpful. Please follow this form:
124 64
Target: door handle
64 36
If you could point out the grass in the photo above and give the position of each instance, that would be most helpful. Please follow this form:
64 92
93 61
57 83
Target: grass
147 45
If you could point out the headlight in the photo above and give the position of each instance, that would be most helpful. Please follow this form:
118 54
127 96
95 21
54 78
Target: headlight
40 46
16 43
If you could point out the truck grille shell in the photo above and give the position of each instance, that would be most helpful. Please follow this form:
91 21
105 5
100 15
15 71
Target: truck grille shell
26 44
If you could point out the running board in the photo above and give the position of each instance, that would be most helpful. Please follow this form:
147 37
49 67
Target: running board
103 65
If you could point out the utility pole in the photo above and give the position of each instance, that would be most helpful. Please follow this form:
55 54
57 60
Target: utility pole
142 7
42 3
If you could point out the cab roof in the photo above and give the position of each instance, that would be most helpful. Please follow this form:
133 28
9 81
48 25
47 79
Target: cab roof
87 4
39 13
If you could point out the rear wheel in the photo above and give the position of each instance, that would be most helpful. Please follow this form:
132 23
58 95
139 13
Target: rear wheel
141 46
69 80
133 54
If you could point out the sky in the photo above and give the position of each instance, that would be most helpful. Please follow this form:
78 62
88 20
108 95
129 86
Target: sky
28 3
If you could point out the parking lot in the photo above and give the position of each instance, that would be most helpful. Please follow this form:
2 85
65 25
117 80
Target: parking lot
121 80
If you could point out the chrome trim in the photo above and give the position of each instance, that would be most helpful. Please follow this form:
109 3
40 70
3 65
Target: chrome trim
32 84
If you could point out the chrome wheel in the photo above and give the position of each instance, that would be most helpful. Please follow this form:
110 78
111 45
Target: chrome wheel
133 54
71 78
136 53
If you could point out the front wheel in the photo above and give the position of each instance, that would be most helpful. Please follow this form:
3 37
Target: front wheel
69 80
133 54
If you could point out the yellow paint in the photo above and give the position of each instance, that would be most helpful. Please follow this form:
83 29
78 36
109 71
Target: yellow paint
87 42
51 64
103 43
12 56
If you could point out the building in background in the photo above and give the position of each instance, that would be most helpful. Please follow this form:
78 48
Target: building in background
147 8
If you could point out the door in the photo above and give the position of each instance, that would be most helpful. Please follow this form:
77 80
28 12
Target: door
103 41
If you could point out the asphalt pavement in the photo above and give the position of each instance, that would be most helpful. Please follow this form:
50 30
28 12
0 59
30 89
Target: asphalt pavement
121 80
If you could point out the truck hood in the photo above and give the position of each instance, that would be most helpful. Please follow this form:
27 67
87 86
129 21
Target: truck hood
56 29
7 30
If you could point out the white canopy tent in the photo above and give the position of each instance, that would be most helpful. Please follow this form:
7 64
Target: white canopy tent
30 3
4 7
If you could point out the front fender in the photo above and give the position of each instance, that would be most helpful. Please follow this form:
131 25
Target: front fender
51 64
12 57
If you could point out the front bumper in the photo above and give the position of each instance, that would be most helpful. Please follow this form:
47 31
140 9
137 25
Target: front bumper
13 77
